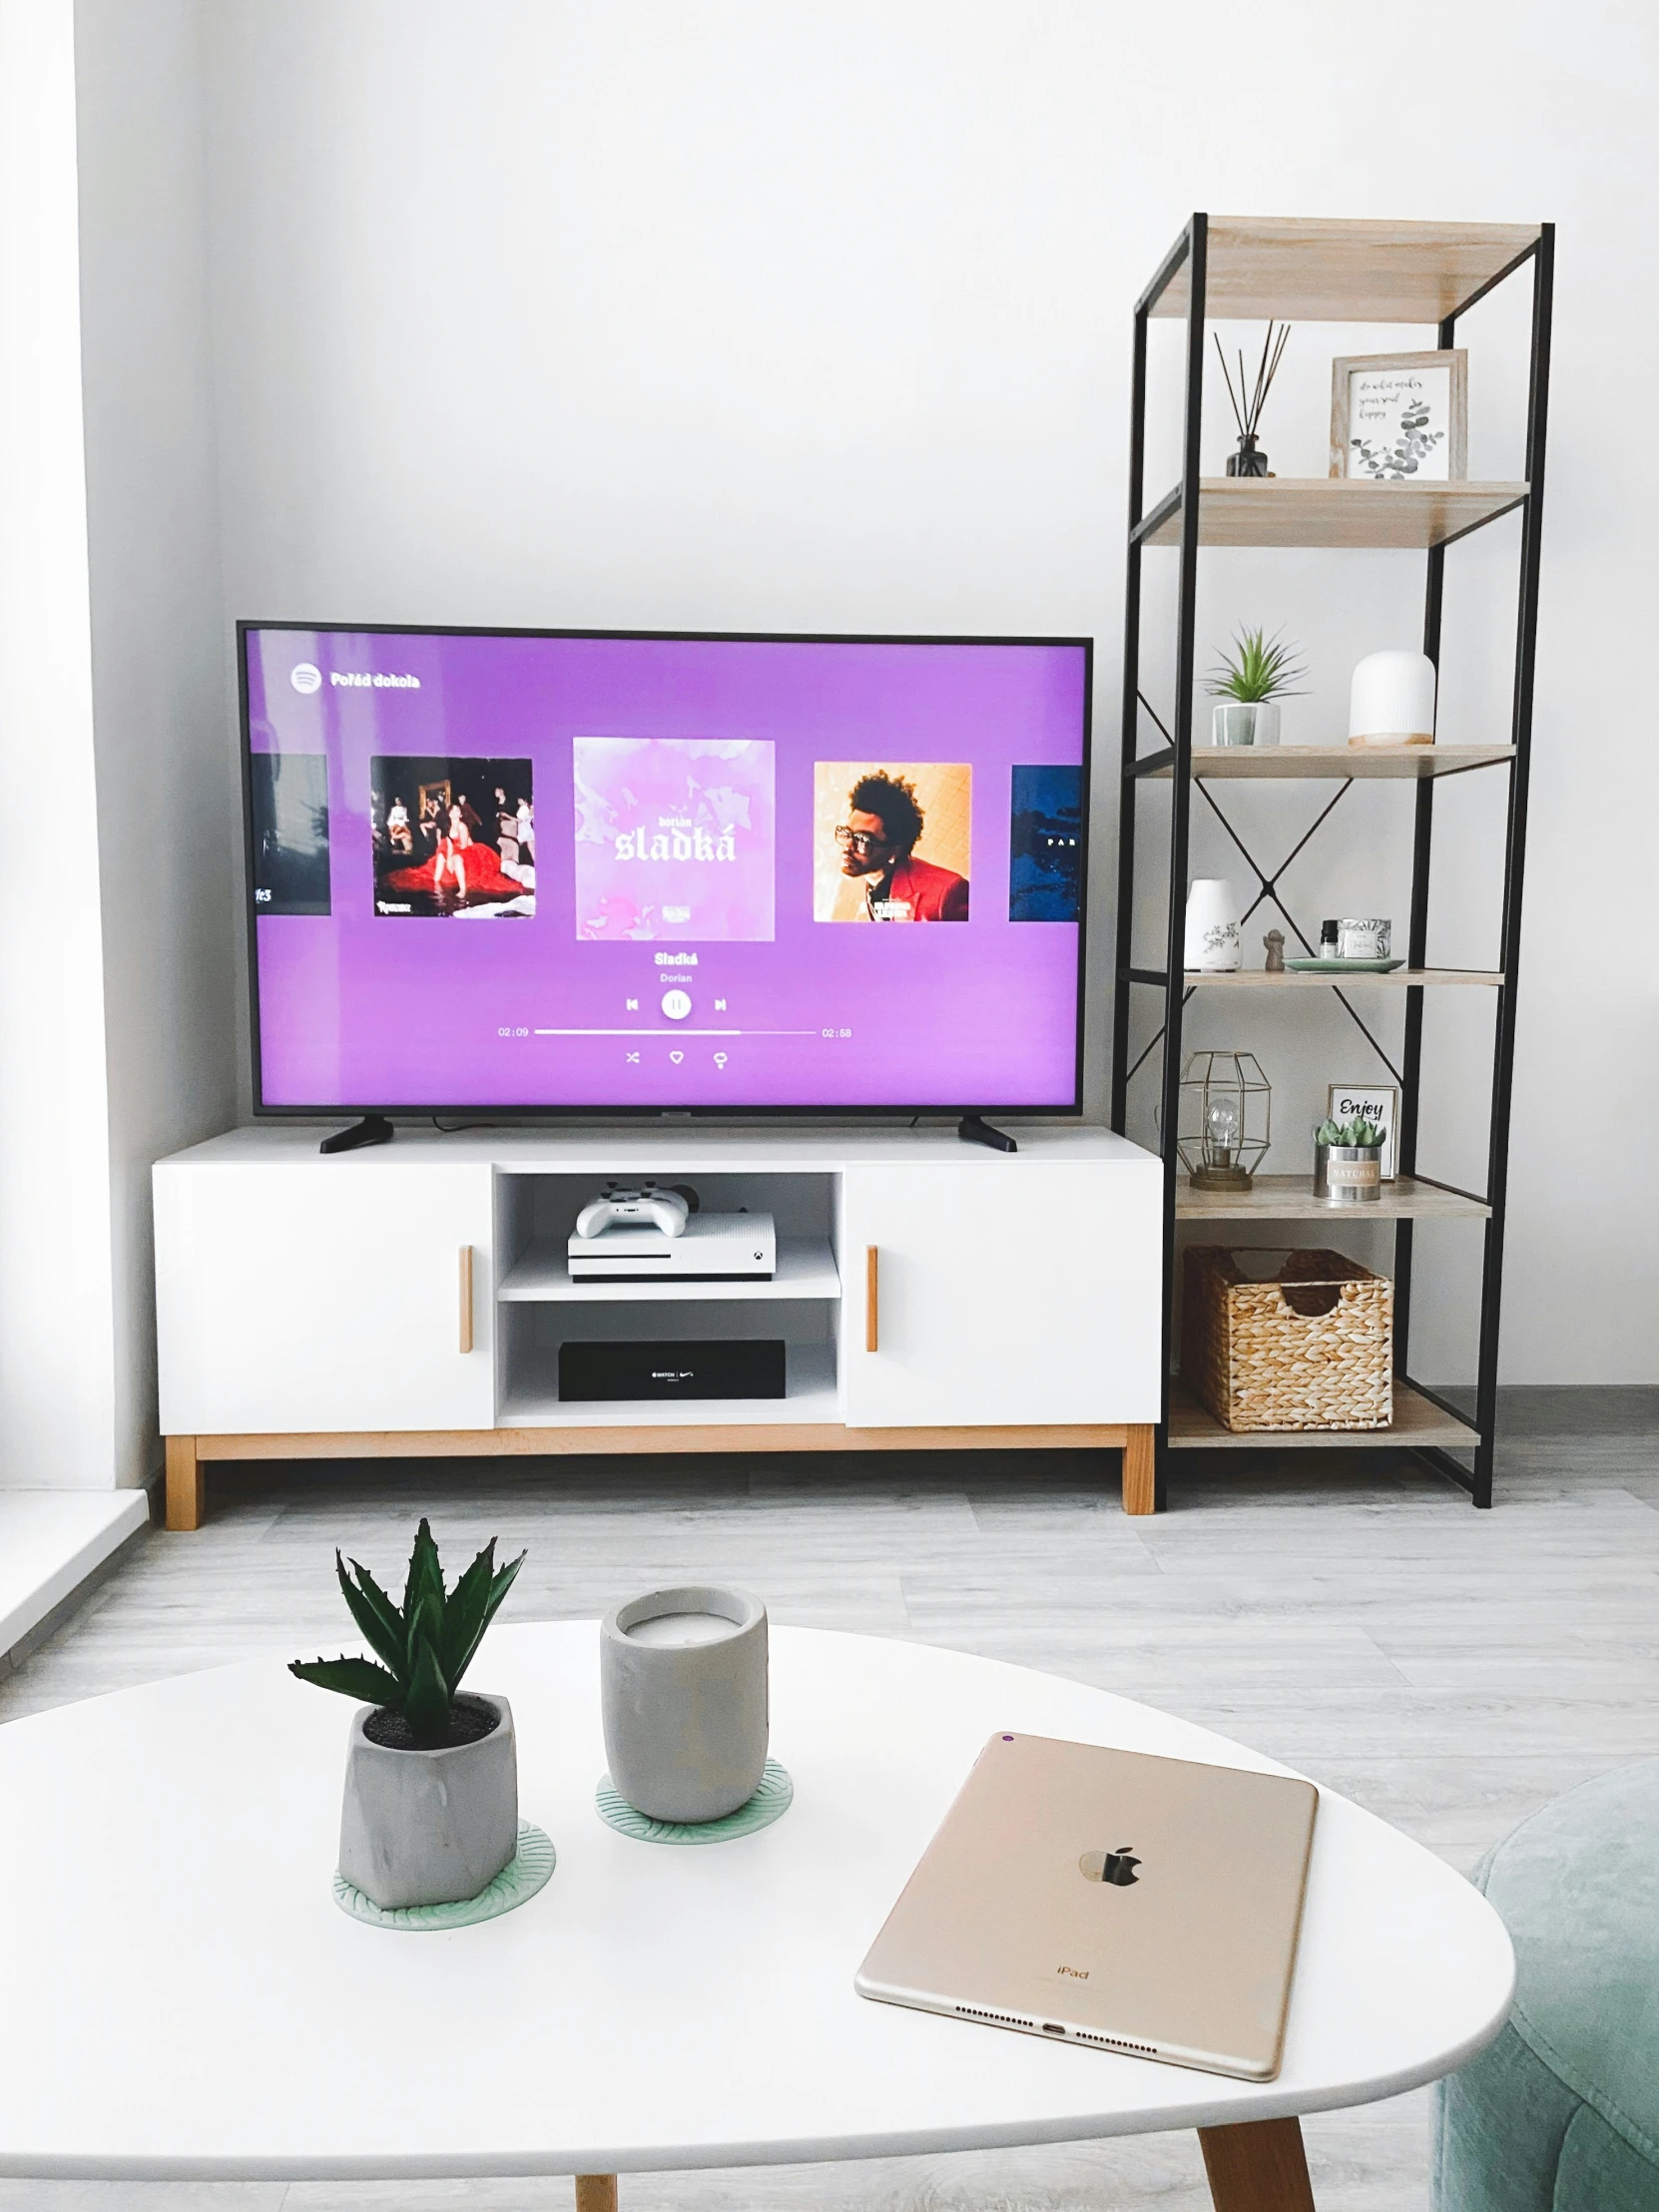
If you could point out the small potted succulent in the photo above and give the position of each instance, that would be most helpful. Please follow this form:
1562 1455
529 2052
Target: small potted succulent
1347 1163
431 1777
1248 685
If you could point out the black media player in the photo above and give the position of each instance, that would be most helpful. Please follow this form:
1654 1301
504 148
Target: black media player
741 1367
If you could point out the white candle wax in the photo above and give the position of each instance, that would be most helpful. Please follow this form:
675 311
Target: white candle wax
682 1628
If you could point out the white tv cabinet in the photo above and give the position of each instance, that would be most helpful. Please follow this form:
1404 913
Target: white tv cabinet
410 1300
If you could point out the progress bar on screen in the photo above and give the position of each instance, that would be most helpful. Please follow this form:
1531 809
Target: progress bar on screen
677 1032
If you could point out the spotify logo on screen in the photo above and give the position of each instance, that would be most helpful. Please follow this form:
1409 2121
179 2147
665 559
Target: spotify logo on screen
306 678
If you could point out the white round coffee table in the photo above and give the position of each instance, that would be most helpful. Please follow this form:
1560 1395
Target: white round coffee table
183 1999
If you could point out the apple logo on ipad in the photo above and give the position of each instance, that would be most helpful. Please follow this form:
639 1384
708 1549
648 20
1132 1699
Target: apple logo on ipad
1116 1866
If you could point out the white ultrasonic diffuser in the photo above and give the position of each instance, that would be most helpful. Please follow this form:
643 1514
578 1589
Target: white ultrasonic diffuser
1391 701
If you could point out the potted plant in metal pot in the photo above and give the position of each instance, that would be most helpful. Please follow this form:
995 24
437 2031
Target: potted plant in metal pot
431 1777
1248 684
1348 1162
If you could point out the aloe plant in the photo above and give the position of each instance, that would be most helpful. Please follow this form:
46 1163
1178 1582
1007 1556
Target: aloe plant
1360 1133
427 1644
1262 668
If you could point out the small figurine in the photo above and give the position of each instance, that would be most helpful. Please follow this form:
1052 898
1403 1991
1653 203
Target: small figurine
1275 942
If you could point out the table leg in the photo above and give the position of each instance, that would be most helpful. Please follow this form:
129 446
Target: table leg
596 2193
1257 2168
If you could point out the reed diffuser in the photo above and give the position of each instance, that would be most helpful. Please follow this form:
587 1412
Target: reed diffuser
1249 400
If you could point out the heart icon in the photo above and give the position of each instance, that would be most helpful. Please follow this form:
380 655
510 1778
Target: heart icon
677 1057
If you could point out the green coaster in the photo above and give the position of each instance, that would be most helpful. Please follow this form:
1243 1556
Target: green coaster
770 1803
519 1879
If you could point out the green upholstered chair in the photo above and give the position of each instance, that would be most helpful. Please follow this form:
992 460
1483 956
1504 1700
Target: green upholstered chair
1561 2114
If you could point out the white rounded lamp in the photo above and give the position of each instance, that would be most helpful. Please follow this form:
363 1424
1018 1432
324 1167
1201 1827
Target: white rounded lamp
1392 700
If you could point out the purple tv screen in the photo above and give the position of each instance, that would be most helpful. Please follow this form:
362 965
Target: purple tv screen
554 872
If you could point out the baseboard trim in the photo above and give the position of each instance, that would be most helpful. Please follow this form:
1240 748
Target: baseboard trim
67 1566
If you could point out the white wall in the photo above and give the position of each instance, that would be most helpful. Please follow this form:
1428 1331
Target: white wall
817 315
56 1312
168 796
116 998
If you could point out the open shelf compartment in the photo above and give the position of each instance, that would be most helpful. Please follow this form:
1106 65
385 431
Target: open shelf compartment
1417 1423
539 1306
530 1397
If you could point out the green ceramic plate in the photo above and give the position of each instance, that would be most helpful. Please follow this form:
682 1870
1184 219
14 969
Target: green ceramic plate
519 1879
1343 967
770 1803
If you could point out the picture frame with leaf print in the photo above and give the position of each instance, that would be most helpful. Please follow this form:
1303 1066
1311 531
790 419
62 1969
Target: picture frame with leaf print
1400 418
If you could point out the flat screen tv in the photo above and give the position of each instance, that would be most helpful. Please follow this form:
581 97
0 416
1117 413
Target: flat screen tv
542 873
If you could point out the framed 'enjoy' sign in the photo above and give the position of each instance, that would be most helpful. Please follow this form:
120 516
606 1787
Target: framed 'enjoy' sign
1400 418
1378 1103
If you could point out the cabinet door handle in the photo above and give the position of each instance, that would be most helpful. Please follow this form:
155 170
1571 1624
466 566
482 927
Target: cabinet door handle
466 1298
873 1277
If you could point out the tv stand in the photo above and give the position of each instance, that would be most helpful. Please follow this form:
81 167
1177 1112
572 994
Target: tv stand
411 1302
973 1130
372 1129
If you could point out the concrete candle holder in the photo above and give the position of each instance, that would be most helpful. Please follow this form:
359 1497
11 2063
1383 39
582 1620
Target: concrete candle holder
683 1686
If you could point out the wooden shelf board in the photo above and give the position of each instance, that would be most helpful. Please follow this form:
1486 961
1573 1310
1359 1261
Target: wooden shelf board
1288 762
1260 980
1415 1421
1337 271
1335 511
1291 1198
531 1399
541 1275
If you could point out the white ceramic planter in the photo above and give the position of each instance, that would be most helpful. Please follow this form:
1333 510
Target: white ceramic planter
1391 700
684 1701
1213 941
429 1827
1244 722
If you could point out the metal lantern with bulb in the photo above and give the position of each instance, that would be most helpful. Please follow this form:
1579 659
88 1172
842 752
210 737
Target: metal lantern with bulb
1225 1121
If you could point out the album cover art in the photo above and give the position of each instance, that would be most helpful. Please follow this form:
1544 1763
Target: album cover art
674 840
892 841
1045 866
454 837
289 808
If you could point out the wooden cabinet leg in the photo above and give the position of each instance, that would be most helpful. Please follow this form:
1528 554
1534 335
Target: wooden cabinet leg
1257 2168
596 2193
1140 1490
185 1488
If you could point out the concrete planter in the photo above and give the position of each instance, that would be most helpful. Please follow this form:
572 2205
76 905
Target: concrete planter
684 1701
429 1827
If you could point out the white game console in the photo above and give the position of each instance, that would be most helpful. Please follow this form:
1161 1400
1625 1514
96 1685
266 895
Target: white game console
705 1248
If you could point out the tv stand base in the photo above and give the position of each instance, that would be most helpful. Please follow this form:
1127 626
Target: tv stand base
187 1456
973 1130
372 1129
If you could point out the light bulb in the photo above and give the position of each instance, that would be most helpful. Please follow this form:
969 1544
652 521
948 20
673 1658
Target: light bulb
1220 1133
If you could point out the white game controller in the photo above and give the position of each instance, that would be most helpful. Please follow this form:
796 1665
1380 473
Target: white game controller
642 1206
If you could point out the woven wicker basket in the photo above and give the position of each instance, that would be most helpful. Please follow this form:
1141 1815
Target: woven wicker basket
1311 1348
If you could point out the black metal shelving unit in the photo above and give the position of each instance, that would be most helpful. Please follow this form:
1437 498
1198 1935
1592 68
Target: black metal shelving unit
1333 272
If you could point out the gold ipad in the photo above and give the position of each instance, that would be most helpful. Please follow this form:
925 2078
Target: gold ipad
1137 1904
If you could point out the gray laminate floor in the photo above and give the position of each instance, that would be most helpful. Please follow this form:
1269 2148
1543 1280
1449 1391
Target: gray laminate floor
1452 1670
